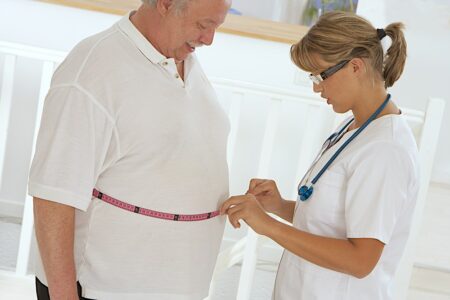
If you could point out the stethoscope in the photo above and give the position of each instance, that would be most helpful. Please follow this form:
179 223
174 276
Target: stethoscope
304 191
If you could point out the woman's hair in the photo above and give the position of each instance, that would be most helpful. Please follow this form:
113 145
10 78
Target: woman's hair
339 36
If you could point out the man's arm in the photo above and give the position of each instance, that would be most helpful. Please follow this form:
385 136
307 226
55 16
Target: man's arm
54 226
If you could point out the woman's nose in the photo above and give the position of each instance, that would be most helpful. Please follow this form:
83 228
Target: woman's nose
317 88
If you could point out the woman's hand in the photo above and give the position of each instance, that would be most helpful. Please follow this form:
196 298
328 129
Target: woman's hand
267 194
247 208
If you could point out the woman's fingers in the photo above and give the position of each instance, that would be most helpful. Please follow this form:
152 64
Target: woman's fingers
255 182
235 200
235 208
263 187
235 213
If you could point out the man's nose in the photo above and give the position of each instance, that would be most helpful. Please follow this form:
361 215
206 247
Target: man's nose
207 37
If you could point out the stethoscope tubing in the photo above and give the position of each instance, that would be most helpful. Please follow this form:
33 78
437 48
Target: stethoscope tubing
341 148
357 132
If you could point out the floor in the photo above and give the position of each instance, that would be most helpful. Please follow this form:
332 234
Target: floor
426 285
430 278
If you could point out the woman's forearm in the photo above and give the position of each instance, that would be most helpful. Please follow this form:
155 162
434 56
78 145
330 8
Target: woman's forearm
356 257
286 210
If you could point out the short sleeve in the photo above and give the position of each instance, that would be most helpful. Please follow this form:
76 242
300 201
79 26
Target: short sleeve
74 138
377 191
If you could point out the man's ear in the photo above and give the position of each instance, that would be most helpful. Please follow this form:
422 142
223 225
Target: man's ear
164 6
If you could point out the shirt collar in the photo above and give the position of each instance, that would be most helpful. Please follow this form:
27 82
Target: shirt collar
139 40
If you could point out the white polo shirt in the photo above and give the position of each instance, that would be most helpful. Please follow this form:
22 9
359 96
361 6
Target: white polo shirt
119 118
369 191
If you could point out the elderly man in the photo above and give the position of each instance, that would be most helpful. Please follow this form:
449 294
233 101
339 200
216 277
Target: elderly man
130 164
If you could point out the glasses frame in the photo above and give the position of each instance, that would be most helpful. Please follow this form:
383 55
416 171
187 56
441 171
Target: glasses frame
328 72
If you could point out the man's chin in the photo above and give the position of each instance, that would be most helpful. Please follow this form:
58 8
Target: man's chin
182 56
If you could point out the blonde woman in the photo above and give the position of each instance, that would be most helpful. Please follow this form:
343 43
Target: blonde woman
352 219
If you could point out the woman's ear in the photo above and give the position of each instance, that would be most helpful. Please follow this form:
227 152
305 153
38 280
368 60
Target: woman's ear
358 66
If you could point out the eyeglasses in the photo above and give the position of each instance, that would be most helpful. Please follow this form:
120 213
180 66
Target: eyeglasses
328 72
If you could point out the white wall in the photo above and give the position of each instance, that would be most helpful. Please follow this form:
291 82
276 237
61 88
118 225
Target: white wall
48 26
427 68
289 11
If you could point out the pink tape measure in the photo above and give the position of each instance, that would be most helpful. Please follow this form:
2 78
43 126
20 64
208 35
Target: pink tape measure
153 213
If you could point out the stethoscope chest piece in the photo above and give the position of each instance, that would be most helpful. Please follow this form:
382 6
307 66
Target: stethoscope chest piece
305 192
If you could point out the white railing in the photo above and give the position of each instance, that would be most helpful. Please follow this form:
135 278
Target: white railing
427 143
318 121
292 119
50 59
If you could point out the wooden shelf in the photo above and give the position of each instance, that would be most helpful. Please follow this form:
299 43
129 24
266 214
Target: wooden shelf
239 25
263 29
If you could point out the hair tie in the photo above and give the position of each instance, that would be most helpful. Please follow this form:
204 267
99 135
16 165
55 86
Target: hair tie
381 33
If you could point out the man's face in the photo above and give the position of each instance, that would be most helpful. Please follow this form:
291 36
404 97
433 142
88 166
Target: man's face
193 26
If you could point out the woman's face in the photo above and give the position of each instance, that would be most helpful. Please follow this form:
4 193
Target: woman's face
338 89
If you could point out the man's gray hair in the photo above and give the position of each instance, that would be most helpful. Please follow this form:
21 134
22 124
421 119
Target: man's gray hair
179 4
